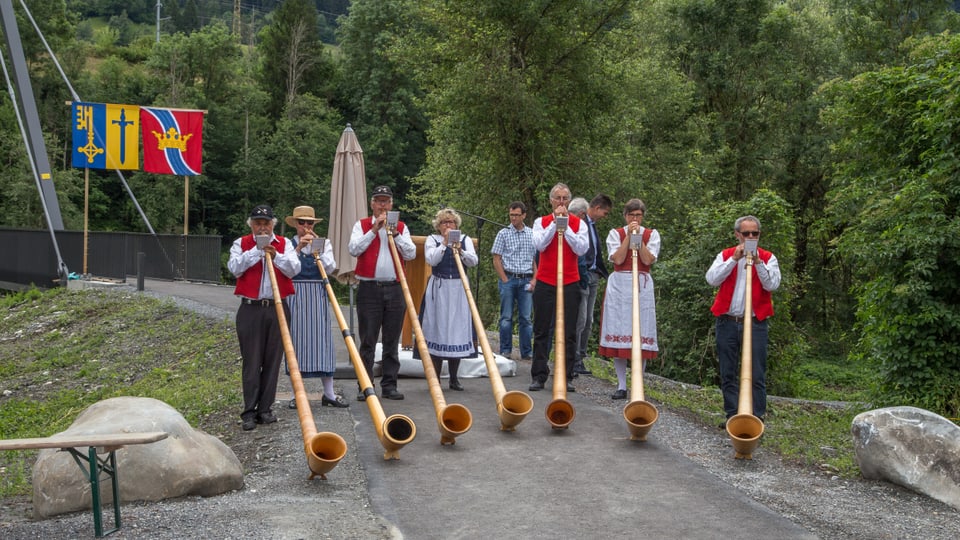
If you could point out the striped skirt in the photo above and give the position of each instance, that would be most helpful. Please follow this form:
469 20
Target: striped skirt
310 329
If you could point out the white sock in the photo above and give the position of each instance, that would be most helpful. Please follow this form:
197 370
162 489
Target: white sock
328 387
621 365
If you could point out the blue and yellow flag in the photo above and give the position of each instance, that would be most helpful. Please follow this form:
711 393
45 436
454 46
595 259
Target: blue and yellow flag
106 136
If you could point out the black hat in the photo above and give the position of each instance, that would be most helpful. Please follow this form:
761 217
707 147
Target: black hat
382 191
261 211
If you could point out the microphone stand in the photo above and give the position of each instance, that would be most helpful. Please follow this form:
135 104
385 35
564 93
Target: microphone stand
480 221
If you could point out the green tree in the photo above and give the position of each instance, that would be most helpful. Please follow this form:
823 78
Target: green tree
896 196
872 31
293 60
291 166
518 96
381 99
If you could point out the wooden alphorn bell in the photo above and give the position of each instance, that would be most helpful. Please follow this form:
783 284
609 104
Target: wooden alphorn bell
395 431
454 419
639 414
744 428
514 406
324 450
560 412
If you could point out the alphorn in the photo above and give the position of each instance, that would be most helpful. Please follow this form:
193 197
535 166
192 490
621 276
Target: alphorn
395 431
513 406
560 412
744 428
639 414
454 419
324 450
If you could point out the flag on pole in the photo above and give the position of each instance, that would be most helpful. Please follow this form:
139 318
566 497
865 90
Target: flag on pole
172 141
106 136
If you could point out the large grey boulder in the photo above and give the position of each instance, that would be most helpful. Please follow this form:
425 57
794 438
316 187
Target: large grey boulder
188 462
910 447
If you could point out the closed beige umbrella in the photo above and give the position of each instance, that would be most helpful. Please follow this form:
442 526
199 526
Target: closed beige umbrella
348 202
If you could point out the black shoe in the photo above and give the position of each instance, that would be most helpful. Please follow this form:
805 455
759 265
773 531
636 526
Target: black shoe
536 386
249 424
574 375
292 404
361 396
723 425
266 418
392 394
570 388
455 385
619 394
583 371
335 402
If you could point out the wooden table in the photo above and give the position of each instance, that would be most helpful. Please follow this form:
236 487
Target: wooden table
92 464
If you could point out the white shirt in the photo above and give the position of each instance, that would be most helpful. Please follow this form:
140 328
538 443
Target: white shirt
769 274
360 241
578 241
433 253
240 261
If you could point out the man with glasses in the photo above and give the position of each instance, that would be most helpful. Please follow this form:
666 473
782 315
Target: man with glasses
513 261
380 303
727 273
545 240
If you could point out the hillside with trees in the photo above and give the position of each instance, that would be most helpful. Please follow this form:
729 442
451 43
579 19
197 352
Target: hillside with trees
833 121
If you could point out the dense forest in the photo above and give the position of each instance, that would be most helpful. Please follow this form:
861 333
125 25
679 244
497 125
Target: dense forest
833 121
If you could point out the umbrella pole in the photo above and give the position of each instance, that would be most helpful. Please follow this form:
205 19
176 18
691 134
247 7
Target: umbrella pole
352 287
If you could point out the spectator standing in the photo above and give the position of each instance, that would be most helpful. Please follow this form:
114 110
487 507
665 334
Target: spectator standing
513 260
592 269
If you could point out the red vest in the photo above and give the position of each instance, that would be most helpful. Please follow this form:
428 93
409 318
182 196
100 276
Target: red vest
627 264
762 301
547 267
367 261
248 284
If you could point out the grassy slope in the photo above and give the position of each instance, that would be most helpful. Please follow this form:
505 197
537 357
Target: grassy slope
61 351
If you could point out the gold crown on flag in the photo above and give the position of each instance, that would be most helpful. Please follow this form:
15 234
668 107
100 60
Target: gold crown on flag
172 139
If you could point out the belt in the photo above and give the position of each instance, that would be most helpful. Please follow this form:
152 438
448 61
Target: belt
378 283
519 276
735 319
445 276
263 302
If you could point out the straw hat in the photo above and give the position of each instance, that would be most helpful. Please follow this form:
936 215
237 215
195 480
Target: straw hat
302 212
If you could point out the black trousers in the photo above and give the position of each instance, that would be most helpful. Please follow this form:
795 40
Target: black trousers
261 346
544 318
380 312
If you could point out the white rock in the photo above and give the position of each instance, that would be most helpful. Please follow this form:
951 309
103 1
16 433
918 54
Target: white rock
910 447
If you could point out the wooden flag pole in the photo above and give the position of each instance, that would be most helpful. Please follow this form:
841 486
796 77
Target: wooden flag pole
86 214
186 203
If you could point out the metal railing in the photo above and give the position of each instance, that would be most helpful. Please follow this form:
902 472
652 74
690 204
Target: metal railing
111 255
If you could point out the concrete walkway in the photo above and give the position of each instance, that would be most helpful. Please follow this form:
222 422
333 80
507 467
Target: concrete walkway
588 481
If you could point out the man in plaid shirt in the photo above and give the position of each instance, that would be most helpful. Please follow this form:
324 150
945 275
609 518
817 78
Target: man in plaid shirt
513 260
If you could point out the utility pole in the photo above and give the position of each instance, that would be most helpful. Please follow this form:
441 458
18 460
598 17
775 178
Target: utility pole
236 20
